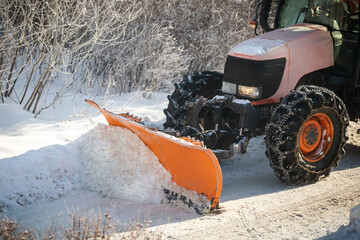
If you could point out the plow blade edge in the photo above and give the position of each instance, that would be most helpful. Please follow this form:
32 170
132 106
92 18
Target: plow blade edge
191 166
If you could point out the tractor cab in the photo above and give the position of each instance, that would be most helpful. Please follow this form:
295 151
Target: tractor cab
341 17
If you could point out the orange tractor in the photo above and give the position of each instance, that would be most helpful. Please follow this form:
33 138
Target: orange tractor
298 83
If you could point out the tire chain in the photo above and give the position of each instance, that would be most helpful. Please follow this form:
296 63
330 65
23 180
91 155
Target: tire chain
274 143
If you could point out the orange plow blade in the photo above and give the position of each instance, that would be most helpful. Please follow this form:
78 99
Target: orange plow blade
191 166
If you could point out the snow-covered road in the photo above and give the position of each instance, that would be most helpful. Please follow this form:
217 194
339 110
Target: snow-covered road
257 206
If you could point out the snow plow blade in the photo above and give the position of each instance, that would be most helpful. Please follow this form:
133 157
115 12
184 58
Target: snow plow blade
191 166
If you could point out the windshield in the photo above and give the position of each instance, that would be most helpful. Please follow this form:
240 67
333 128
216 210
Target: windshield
340 15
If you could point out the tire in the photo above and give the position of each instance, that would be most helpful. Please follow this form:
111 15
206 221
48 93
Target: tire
297 152
192 87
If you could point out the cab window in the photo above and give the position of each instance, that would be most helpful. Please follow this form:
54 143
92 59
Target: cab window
292 12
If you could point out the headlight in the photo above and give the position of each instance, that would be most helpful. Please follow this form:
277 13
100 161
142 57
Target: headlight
252 92
229 88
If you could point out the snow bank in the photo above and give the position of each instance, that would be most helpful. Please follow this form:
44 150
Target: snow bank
111 161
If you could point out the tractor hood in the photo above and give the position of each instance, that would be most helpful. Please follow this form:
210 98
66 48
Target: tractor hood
306 48
277 43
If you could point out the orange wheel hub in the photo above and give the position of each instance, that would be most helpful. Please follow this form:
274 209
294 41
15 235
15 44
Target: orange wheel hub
316 137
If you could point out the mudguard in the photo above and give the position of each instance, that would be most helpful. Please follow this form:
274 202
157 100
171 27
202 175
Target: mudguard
191 165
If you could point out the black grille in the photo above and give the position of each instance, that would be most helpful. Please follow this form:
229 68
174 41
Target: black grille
266 74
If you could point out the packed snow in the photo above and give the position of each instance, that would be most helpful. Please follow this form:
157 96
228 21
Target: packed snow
68 159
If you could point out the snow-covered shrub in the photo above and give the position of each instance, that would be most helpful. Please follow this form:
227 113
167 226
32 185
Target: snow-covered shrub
76 44
112 46
149 62
49 42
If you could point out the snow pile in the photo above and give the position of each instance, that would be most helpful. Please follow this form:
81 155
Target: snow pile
117 164
256 46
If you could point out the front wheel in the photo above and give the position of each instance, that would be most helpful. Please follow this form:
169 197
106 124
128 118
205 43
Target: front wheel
306 135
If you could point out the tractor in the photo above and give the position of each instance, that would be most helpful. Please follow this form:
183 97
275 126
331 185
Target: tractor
298 84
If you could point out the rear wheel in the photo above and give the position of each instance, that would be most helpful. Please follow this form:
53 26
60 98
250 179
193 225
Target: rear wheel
306 135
